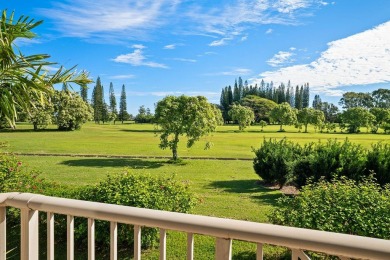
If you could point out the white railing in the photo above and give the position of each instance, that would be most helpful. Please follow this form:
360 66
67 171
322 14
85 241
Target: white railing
224 230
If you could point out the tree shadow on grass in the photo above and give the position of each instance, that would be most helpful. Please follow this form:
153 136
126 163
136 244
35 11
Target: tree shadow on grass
257 191
8 130
113 162
140 130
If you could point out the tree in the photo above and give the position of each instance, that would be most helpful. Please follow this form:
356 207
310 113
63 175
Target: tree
318 119
382 116
144 115
123 105
306 116
381 98
262 124
317 103
192 117
284 114
260 106
41 113
357 117
298 98
306 96
23 78
243 115
113 110
84 93
98 102
353 99
71 111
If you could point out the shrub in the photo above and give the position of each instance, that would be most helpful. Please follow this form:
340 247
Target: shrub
378 161
342 206
273 161
143 191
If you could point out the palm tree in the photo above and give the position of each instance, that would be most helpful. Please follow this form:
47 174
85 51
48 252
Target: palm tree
26 77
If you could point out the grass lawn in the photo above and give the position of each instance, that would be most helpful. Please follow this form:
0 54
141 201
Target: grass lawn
223 188
140 139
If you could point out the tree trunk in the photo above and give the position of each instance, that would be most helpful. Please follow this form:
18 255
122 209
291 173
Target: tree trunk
174 147
281 128
306 128
35 126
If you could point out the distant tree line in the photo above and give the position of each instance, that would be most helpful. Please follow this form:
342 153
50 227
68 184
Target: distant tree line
298 97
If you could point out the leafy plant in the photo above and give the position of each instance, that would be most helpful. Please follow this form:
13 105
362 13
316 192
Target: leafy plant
133 190
342 206
273 161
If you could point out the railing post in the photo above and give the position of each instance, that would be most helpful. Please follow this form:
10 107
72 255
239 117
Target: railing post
50 236
190 246
137 242
223 249
70 237
3 233
113 241
91 239
29 234
259 251
163 244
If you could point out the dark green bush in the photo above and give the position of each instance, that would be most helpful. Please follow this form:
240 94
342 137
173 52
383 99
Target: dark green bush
342 206
378 161
143 191
274 159
328 160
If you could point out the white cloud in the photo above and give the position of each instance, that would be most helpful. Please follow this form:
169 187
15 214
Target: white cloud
232 20
234 72
282 57
170 46
136 58
109 19
138 46
185 60
127 76
220 42
269 31
244 38
359 59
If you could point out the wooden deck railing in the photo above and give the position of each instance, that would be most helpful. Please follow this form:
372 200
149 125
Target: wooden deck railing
224 230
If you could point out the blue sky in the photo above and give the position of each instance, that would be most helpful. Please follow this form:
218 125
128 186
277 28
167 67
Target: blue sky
161 47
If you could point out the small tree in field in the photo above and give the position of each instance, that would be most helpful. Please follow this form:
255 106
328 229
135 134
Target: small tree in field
192 117
262 124
243 115
283 114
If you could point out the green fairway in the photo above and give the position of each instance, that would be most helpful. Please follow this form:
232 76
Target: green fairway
140 140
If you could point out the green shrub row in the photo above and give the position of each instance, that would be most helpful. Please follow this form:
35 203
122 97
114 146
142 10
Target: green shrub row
127 189
281 162
342 206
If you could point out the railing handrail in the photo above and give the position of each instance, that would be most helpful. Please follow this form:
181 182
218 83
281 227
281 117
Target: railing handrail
298 238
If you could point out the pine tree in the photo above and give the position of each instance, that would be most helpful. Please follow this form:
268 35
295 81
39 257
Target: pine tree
236 94
113 108
306 96
317 103
298 100
97 101
123 105
230 95
84 93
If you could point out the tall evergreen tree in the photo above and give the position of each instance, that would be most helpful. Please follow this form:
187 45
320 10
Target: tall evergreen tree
84 93
113 108
97 101
230 95
298 99
306 96
317 103
236 94
123 105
